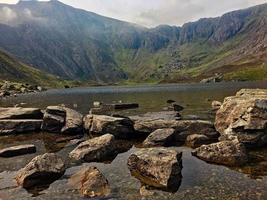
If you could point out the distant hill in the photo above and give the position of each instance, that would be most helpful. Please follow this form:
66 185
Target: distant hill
81 45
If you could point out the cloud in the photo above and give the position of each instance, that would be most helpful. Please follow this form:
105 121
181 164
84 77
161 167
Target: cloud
7 15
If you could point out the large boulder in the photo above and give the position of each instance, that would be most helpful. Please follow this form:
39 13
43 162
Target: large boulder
160 137
230 153
244 117
120 127
96 149
17 150
157 167
42 170
20 113
59 119
14 126
90 182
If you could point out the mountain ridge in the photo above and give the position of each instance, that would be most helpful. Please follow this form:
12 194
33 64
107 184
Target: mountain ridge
81 45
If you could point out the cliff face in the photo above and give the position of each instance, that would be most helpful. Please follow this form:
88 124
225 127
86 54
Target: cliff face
76 44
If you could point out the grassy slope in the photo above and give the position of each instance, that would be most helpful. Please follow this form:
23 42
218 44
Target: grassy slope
13 70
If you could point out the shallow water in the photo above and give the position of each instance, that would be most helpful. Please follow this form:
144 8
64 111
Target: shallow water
200 179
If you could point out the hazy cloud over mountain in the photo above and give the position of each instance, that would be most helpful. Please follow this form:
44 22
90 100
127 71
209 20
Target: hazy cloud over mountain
155 12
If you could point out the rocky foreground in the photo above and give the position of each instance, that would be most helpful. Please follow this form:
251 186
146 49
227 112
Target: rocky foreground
240 124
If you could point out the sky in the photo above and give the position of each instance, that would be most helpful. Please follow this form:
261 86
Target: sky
151 13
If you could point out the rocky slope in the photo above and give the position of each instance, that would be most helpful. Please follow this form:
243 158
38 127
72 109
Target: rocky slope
81 45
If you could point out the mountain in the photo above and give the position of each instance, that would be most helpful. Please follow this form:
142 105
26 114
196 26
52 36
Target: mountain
80 45
13 70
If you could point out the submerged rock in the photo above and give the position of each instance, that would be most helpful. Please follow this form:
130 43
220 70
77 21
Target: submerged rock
90 182
96 149
157 167
101 124
17 150
230 153
59 119
20 113
42 170
14 126
160 137
244 117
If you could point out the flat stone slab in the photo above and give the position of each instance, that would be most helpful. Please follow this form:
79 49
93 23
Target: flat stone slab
20 113
14 126
18 150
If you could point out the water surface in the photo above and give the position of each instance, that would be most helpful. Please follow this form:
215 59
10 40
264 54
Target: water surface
200 179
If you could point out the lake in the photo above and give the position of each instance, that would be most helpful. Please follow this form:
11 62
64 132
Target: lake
200 179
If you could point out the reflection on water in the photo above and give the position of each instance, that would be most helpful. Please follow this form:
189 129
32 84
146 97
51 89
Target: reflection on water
200 179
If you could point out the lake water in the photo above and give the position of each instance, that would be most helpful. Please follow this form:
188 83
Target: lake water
200 179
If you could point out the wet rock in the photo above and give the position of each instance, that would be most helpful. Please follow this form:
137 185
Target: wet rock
96 149
60 119
13 126
90 182
170 101
17 150
101 124
160 137
42 170
197 140
215 105
157 167
20 113
175 107
244 117
230 153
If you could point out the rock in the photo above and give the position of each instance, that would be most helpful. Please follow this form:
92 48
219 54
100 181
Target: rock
101 124
108 109
96 149
157 167
20 113
13 126
170 101
73 122
150 116
160 137
177 107
18 150
244 117
59 119
230 153
215 105
196 140
42 170
90 182
214 79
97 104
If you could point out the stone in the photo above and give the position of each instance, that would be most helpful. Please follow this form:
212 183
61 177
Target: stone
244 117
90 182
14 126
197 140
215 105
73 122
160 137
60 119
164 115
157 167
20 113
121 128
175 107
41 170
17 150
229 153
96 149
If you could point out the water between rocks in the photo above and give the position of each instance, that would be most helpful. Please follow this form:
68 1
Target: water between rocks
200 180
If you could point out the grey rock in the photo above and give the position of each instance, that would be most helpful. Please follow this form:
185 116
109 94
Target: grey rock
18 150
160 137
20 113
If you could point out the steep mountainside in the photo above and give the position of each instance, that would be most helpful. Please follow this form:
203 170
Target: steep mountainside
76 44
13 70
